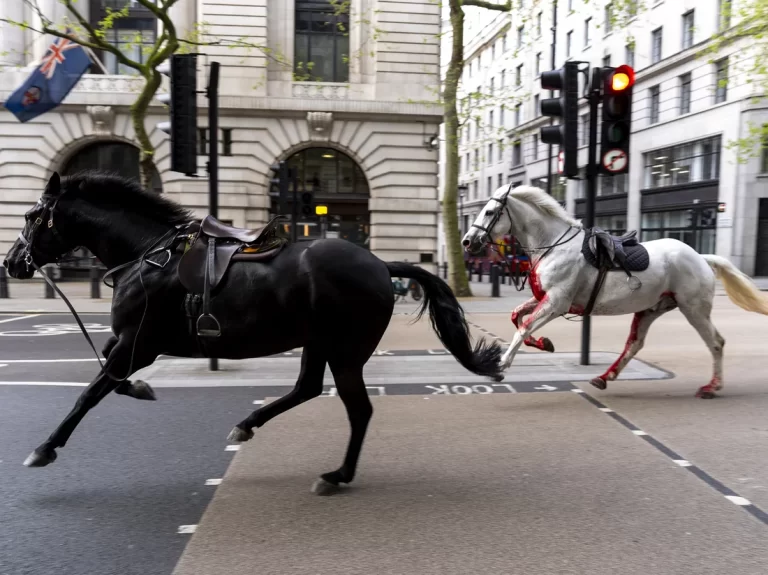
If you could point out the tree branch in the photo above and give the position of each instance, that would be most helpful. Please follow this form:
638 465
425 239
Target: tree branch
489 5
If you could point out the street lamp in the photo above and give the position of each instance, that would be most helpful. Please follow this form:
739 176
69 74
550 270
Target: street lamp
463 189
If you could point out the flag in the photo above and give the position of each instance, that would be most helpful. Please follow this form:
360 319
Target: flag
59 70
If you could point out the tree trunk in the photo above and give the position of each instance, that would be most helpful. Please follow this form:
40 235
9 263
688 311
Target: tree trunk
457 272
138 116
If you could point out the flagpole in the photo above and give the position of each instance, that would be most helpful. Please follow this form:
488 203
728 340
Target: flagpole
96 60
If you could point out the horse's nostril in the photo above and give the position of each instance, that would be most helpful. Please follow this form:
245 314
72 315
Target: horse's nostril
465 243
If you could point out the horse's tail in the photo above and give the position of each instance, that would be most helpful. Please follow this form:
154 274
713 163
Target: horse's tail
739 286
447 318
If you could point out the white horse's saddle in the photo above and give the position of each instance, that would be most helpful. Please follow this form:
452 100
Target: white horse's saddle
601 249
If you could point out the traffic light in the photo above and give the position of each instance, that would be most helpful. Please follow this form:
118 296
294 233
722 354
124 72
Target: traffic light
566 106
278 184
182 100
307 204
617 119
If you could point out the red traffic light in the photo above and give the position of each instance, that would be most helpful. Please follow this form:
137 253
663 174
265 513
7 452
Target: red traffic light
622 78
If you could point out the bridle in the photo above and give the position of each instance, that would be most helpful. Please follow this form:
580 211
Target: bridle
29 261
495 220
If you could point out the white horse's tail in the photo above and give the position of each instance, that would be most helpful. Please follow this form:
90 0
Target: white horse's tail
739 286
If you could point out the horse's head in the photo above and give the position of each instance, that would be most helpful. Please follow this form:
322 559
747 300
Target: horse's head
493 222
39 242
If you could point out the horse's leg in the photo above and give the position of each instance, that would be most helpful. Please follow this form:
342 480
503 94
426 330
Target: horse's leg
118 363
351 389
641 323
543 343
308 386
550 307
138 389
699 317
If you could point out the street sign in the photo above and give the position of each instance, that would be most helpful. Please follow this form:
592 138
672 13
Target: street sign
321 210
615 160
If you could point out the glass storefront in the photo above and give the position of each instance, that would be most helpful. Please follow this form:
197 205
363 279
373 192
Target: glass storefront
696 227
684 164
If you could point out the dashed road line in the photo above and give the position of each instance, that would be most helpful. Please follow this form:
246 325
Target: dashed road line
676 458
186 529
232 448
213 481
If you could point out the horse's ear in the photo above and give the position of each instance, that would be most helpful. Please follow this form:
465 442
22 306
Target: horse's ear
53 187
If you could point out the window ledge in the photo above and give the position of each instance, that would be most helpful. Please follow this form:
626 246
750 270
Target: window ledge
321 90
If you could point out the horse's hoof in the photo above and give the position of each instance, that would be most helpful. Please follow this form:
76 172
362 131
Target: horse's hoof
142 390
599 383
323 488
547 345
40 457
705 393
499 377
239 435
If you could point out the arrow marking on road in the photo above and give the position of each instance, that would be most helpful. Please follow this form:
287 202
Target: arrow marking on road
546 388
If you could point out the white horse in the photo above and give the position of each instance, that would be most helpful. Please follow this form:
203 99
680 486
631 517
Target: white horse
562 281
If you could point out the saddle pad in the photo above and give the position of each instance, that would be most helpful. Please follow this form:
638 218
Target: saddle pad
637 259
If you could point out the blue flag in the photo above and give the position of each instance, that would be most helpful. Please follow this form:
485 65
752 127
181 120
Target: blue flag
58 72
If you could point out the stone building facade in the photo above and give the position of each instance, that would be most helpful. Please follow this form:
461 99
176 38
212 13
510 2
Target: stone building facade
361 128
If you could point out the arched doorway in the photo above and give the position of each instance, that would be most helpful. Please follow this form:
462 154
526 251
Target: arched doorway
117 157
337 182
110 156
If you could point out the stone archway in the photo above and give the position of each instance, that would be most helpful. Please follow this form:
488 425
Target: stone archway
336 181
111 156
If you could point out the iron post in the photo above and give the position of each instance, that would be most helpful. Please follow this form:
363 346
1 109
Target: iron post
213 155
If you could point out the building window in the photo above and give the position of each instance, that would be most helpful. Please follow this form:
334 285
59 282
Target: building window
656 45
490 186
685 93
500 181
492 89
501 150
688 29
570 5
608 18
535 146
517 156
501 116
696 227
226 141
616 225
721 79
558 186
493 51
587 32
490 119
724 15
503 79
477 159
469 163
568 44
518 114
538 64
519 76
475 189
584 129
764 151
654 97
321 49
607 61
134 37
629 56
611 185
503 43
202 141
536 106
520 36
490 154
538 25
697 161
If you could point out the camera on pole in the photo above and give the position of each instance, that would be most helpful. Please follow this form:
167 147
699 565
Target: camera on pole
566 106
617 119
182 100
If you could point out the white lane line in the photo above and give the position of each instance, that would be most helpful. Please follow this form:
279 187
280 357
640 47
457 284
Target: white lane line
49 383
258 402
186 529
606 409
738 500
639 432
578 390
20 317
682 462
48 360
232 448
213 481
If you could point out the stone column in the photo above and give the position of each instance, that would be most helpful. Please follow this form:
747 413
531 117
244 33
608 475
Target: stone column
12 37
184 15
56 12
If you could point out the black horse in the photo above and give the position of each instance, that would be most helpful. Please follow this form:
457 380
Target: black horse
329 297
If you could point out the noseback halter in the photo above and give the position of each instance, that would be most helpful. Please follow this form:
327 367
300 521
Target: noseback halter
48 209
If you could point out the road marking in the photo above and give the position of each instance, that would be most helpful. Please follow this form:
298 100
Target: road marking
721 488
258 402
213 481
577 390
48 383
20 317
232 448
48 360
186 529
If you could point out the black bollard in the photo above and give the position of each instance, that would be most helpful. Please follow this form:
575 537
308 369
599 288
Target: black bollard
495 289
95 283
480 273
445 270
3 283
49 293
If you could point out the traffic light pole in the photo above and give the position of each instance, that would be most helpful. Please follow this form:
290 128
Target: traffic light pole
593 98
552 93
213 154
294 176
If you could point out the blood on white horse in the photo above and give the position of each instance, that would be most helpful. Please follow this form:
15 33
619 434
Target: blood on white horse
562 280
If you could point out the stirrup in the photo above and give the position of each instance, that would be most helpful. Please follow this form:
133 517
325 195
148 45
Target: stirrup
213 329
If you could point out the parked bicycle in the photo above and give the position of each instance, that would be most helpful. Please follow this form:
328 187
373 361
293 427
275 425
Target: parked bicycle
403 288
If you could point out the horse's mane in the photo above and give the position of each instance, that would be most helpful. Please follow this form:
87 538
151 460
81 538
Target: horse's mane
126 195
546 203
